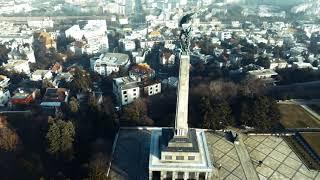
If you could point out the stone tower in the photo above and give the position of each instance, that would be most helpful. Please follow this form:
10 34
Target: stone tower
180 152
181 120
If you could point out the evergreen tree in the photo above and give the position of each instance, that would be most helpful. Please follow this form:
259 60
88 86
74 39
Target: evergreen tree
245 115
216 114
263 62
60 138
73 105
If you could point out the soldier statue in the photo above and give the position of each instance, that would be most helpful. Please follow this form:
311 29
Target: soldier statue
185 32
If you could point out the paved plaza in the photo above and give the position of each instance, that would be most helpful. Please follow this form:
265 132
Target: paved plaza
279 161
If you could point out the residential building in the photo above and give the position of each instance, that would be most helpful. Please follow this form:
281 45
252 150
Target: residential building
19 38
167 58
41 24
20 66
4 96
225 35
141 72
107 63
93 34
278 64
24 96
263 74
301 65
78 48
56 68
54 99
139 56
40 75
152 89
126 90
63 76
4 81
127 45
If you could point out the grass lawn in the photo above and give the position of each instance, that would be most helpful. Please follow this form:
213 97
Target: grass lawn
294 116
313 141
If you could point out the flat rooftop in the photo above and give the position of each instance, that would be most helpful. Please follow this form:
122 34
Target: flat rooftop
55 95
126 82
263 72
115 59
131 157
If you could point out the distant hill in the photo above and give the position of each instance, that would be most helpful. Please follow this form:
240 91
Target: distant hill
265 2
308 8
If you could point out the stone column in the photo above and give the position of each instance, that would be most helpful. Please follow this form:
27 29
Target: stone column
174 175
181 120
150 175
209 176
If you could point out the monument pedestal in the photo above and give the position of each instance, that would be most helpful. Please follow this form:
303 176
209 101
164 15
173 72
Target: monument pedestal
179 162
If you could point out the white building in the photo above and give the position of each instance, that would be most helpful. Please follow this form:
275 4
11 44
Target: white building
93 34
40 75
126 90
107 63
66 76
301 65
263 74
225 35
20 66
4 81
4 96
152 89
41 24
19 38
139 56
167 59
4 92
215 40
128 45
278 64
24 52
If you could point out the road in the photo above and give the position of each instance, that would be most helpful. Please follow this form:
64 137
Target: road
248 168
55 18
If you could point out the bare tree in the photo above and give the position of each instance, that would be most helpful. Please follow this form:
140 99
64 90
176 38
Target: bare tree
9 139
98 167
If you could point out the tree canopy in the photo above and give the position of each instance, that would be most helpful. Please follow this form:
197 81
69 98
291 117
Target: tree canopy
60 137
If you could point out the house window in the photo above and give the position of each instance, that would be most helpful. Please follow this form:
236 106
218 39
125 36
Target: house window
126 100
156 90
156 86
169 174
150 92
191 158
150 88
179 158
168 157
134 89
134 94
125 96
124 92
